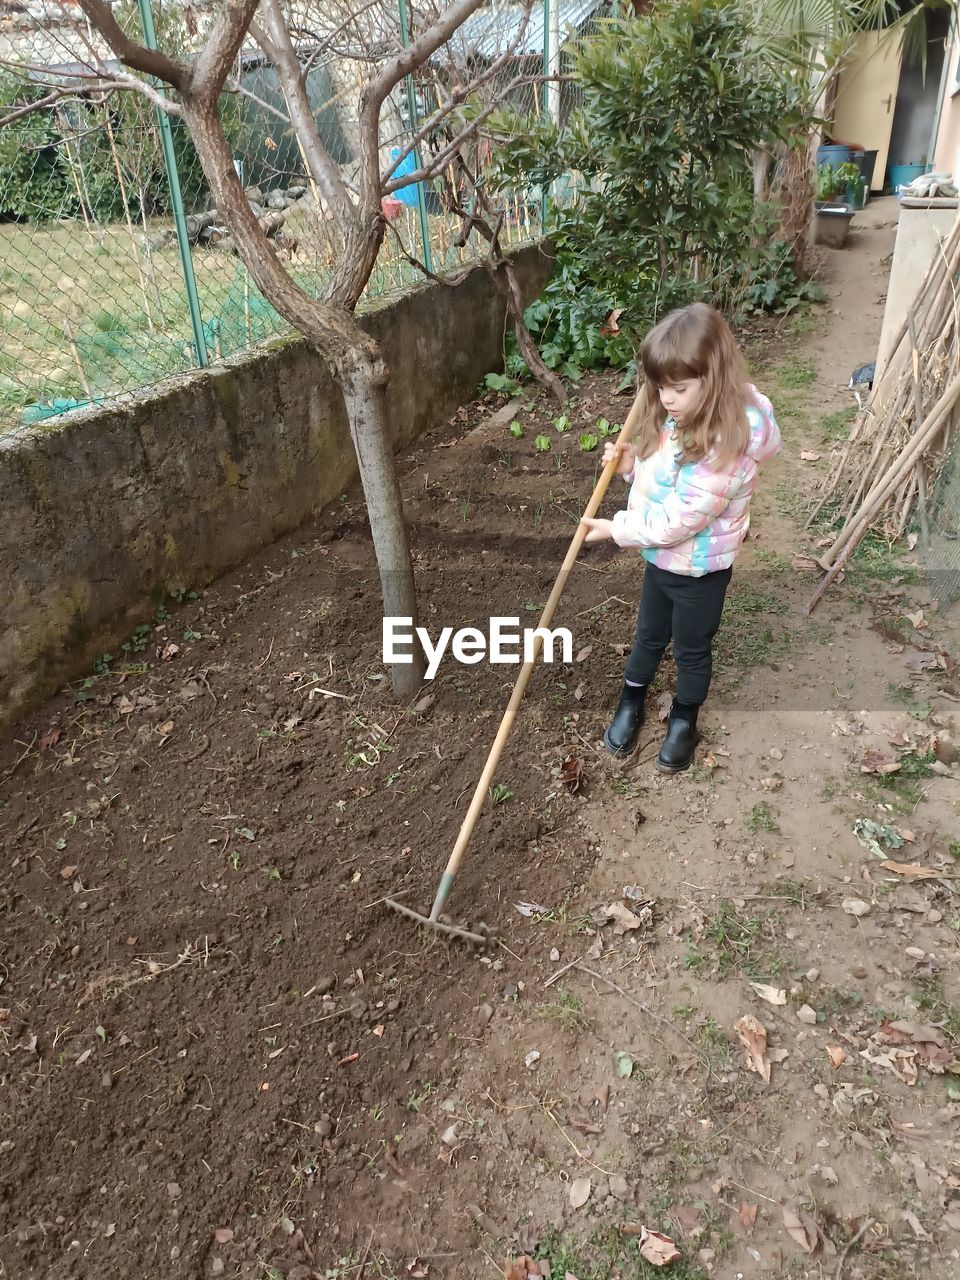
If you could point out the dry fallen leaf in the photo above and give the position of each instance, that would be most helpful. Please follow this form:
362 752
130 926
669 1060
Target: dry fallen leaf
579 1192
50 739
67 873
772 995
165 729
748 1216
801 1228
753 1037
657 1249
425 703
521 1269
625 919
918 620
222 1235
571 773
169 650
808 455
611 326
663 704
878 762
584 653
836 1054
911 869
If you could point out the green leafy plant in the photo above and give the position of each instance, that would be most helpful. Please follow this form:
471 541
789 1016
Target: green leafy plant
588 442
562 423
673 104
516 429
501 382
500 793
542 444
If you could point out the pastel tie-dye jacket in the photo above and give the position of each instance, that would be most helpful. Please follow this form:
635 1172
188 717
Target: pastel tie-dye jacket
692 517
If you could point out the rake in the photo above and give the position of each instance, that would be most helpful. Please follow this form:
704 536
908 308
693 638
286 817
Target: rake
433 921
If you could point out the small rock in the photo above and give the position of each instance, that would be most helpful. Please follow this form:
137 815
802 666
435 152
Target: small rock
216 1267
484 1014
858 971
532 1058
173 1190
707 1257
106 1080
618 1187
451 1135
324 985
915 953
324 1127
812 975
934 917
856 907
175 1253
554 955
807 1015
775 753
773 783
822 1091
511 991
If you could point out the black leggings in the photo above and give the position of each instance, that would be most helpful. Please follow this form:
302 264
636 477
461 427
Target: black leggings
686 610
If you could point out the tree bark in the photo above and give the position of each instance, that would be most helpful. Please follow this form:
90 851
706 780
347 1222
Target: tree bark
352 355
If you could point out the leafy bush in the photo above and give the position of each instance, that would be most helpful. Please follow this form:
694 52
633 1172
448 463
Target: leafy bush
674 103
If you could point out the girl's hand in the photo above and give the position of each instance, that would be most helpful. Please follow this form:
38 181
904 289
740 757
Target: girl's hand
599 530
627 455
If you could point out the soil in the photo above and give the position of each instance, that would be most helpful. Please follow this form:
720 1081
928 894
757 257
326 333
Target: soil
223 1055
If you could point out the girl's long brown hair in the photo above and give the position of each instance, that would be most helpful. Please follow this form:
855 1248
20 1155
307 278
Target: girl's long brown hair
696 342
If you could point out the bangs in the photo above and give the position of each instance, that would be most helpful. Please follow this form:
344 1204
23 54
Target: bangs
666 357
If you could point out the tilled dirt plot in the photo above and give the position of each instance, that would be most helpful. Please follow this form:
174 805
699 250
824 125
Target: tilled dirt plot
223 1056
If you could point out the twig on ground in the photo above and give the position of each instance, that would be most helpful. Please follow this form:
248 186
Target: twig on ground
850 1243
658 1018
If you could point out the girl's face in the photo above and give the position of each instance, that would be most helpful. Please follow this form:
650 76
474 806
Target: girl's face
680 399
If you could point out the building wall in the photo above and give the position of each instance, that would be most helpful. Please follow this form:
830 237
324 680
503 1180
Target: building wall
946 158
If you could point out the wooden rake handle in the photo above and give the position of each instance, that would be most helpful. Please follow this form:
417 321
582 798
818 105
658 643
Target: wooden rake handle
523 678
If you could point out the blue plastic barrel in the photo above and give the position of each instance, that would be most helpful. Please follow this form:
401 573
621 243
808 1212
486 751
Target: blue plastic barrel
406 195
833 155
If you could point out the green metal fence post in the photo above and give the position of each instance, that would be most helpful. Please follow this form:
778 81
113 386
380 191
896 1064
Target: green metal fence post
545 100
176 199
412 109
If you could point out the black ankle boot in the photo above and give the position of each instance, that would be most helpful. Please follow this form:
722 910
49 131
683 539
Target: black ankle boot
676 753
624 729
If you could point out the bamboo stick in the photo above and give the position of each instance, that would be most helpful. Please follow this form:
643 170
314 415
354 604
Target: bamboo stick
887 483
918 418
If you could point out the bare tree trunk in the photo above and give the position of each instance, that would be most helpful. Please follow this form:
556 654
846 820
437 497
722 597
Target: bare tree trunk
796 201
364 382
353 357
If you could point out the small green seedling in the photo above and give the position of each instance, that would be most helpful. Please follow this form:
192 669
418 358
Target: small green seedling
562 423
604 428
499 793
588 442
516 429
542 444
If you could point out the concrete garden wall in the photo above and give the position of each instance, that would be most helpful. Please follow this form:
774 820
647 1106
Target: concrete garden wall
105 509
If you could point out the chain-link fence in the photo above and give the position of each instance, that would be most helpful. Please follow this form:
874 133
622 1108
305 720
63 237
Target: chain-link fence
102 292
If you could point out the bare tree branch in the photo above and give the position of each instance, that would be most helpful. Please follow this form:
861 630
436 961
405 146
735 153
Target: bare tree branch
461 93
274 39
443 158
102 81
419 50
212 65
137 57
42 103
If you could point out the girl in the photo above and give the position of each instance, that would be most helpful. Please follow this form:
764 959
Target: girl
703 433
